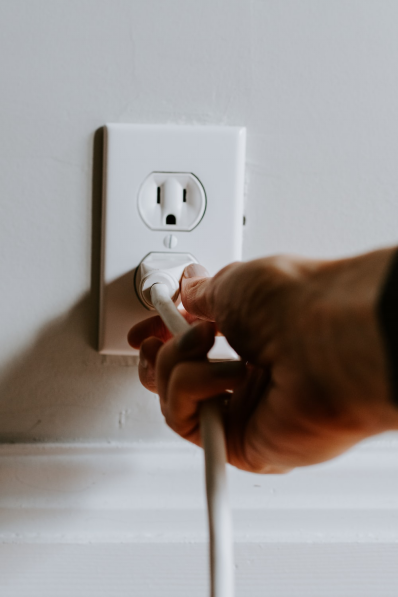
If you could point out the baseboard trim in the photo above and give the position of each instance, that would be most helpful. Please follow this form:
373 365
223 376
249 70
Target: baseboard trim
111 520
154 493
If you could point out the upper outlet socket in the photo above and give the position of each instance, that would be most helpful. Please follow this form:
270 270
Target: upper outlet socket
172 201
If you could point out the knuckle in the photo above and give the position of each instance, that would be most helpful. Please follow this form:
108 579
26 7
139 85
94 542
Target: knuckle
174 422
286 268
180 381
163 356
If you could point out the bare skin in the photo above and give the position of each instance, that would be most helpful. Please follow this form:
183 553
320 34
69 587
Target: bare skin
313 378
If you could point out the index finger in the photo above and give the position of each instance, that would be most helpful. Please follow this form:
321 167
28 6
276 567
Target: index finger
152 326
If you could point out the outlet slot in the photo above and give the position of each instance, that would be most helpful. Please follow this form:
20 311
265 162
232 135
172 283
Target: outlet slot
171 220
172 200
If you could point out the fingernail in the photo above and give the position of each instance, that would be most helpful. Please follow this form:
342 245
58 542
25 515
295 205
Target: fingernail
190 339
143 362
195 270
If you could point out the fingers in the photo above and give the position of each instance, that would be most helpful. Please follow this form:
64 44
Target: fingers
196 293
241 407
193 382
184 378
205 297
280 436
196 288
146 368
274 439
193 345
152 326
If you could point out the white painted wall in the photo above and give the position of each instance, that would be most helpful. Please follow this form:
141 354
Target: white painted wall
315 83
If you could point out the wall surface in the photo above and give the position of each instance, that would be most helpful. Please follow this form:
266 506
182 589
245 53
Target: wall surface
316 85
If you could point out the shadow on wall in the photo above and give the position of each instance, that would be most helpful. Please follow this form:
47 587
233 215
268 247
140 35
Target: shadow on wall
61 389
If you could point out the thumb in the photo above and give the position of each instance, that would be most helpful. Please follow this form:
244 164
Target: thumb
196 294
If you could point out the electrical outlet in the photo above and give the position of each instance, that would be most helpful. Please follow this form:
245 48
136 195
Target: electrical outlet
169 190
172 201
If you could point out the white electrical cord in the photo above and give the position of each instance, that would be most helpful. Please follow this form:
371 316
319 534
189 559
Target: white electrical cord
212 433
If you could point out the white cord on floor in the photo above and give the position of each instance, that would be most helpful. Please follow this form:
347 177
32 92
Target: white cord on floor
212 433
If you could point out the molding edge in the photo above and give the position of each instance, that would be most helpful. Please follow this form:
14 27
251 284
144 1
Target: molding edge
154 493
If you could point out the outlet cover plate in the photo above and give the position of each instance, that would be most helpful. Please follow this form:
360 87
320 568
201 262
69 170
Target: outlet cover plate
216 155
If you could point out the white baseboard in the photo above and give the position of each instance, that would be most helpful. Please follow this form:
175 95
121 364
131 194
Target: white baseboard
130 520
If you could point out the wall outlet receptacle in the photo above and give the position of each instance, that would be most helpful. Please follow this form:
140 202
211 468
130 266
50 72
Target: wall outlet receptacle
167 189
174 201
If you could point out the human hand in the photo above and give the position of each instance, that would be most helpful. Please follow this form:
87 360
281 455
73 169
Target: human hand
313 379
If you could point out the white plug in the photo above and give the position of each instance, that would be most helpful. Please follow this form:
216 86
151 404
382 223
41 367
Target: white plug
161 268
